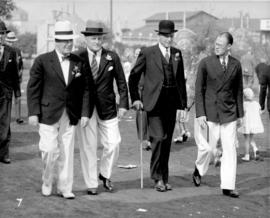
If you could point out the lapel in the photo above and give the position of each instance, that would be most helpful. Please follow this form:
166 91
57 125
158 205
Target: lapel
229 71
175 59
56 66
5 57
157 57
103 62
71 67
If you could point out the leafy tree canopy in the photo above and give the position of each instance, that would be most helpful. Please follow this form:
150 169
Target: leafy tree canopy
6 7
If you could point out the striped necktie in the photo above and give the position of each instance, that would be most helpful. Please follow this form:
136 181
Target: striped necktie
94 67
167 56
223 63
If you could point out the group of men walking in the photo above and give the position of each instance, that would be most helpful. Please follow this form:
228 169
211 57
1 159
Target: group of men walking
71 97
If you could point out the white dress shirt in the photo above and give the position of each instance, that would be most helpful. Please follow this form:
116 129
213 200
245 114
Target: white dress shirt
164 50
226 59
90 56
64 65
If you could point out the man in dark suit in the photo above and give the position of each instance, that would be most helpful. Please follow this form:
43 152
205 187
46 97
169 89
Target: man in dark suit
261 68
105 68
163 96
10 40
265 87
9 82
219 103
57 97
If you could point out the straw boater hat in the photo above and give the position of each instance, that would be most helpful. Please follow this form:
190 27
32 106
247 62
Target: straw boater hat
93 28
11 37
166 27
63 30
3 28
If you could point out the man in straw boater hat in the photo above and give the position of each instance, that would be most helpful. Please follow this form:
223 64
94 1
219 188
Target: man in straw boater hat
9 83
10 40
164 96
105 67
57 97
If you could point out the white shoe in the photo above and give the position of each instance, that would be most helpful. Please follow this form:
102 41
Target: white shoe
178 139
246 158
46 190
67 195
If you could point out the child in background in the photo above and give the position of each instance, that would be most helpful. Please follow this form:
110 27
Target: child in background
252 123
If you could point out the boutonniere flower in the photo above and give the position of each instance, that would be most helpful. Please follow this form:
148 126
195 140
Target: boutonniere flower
76 71
108 57
177 56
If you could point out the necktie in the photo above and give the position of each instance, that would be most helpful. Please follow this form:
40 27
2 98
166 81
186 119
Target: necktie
167 56
65 58
223 63
94 67
1 52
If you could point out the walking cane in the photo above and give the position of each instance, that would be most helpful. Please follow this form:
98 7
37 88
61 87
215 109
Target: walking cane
141 143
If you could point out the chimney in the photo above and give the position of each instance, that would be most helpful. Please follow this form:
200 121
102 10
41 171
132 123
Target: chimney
241 20
184 20
247 20
167 16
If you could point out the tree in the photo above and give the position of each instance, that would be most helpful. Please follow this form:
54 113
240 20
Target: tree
6 7
27 42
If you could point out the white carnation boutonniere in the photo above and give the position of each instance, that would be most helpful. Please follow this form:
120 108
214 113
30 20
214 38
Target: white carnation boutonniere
109 57
76 71
177 57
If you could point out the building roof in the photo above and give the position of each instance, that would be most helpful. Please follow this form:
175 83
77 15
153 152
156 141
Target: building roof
175 15
253 23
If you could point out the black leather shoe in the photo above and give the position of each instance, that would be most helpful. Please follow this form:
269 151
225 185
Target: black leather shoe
5 160
159 186
196 177
168 187
107 184
92 191
230 193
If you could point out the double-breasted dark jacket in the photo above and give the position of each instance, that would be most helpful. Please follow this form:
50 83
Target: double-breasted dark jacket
9 79
265 84
110 69
219 94
149 62
48 94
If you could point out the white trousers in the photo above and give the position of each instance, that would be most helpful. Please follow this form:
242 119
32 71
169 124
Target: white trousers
206 151
87 138
57 149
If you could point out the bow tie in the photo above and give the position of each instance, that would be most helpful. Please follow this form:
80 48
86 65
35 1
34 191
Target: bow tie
65 58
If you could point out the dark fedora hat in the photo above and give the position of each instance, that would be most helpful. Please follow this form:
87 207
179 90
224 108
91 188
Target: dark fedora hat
166 27
94 28
3 28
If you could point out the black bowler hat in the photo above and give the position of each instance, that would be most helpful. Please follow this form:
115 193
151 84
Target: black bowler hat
93 28
166 27
3 28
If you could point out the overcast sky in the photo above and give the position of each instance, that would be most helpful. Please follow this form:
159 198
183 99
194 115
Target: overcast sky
131 13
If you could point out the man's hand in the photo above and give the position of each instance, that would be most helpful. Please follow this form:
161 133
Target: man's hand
121 112
202 121
84 121
181 115
138 105
17 99
33 120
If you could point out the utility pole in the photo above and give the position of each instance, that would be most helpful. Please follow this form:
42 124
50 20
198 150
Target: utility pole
111 15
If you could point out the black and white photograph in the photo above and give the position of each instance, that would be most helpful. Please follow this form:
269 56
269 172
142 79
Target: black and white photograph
135 108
